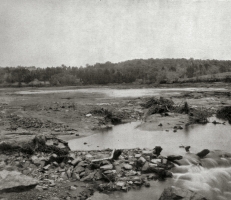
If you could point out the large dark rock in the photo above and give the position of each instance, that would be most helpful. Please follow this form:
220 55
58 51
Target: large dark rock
174 157
117 154
174 193
157 150
203 153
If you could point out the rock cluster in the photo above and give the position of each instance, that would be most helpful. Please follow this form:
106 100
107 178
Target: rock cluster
123 170
171 193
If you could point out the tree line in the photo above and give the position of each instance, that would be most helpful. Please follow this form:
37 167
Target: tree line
145 71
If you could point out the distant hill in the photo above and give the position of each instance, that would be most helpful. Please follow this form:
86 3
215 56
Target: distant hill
138 71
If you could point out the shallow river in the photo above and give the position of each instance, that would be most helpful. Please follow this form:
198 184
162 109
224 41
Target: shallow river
213 180
123 92
128 136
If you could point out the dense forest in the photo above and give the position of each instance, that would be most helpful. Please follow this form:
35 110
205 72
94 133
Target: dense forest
132 71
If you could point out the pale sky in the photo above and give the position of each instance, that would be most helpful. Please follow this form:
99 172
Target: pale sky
76 32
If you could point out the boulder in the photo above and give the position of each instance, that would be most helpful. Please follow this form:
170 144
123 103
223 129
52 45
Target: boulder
145 167
120 183
116 154
14 181
157 150
174 157
171 193
147 152
138 155
141 161
187 148
203 153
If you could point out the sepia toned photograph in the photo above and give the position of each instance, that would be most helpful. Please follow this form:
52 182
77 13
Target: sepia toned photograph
115 99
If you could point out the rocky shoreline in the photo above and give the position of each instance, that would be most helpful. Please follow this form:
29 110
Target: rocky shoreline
101 170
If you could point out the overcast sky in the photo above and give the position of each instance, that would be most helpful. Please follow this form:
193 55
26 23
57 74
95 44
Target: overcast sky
72 32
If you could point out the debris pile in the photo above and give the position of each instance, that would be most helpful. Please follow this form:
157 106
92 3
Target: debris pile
110 170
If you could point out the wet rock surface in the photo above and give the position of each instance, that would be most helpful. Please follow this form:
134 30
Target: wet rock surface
179 193
47 171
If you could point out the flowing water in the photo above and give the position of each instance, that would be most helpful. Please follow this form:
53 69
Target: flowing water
129 136
212 179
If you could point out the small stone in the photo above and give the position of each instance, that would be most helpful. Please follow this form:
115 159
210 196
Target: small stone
147 153
39 188
156 161
76 161
55 164
127 166
47 167
45 187
147 184
89 157
108 172
69 173
54 155
145 167
106 167
73 188
75 176
120 183
79 169
138 155
62 164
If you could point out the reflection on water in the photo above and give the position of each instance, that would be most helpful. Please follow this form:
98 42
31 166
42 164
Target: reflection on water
199 137
212 179
124 92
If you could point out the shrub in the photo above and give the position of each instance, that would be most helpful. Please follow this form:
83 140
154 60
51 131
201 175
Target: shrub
199 116
224 113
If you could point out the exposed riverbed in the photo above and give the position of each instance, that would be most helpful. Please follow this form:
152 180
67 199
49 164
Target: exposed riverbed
127 136
56 108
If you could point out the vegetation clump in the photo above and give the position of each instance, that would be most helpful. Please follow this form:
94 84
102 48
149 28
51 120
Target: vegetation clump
199 116
224 113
